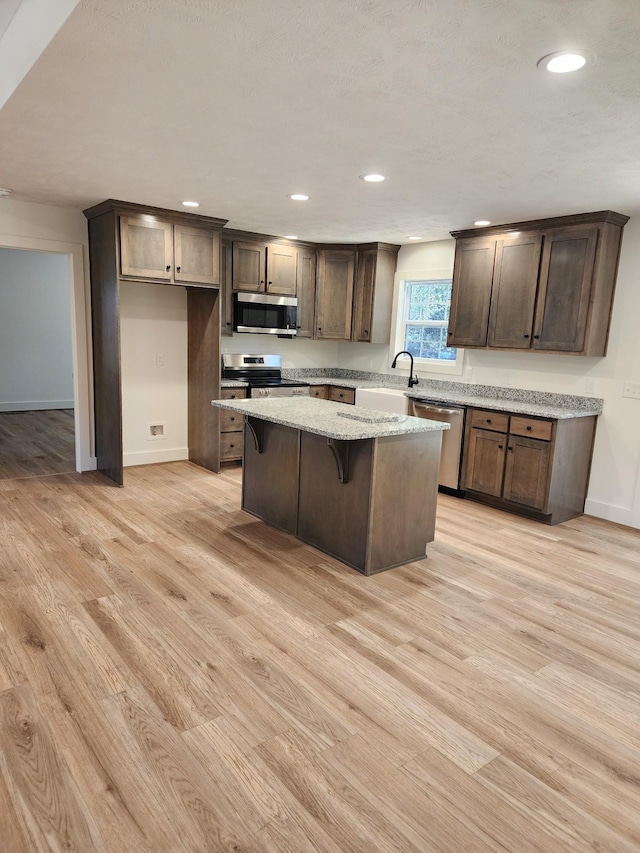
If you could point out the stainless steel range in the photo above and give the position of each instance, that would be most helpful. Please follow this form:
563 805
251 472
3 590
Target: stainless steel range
263 374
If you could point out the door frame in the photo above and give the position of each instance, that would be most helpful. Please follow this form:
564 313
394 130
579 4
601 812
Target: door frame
80 339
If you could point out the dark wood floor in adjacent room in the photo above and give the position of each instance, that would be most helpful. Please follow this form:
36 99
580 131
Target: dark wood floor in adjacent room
176 676
36 444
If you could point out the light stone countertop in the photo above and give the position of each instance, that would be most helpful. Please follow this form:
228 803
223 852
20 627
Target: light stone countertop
333 420
520 402
233 383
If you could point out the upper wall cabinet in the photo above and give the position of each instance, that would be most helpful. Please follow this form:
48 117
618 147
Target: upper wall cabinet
545 285
373 298
306 291
264 267
158 250
334 294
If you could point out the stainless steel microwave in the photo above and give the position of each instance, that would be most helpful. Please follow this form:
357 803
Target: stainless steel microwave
265 314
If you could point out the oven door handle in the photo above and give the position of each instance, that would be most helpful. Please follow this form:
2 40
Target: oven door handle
438 409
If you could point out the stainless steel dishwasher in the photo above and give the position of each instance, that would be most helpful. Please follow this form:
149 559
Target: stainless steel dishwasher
450 456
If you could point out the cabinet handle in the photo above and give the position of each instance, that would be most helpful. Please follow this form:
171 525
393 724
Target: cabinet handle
529 428
178 269
509 448
232 445
500 446
366 331
261 281
233 419
168 268
526 336
298 327
536 337
269 282
488 420
449 334
319 328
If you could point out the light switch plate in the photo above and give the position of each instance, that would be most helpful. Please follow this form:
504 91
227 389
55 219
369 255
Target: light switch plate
590 386
631 389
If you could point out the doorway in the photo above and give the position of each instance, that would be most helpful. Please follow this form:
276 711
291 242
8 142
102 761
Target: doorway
45 400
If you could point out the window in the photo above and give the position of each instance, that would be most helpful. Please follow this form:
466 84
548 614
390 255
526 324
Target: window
423 316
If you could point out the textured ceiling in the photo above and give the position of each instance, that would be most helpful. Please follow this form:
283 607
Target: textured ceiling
237 103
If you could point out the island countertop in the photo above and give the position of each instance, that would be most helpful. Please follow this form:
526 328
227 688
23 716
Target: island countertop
332 420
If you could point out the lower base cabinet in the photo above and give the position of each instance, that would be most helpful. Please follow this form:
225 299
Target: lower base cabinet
231 425
535 466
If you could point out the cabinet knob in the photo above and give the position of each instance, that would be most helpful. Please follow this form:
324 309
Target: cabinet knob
366 331
168 268
529 428
449 334
510 447
269 282
232 445
488 420
233 419
500 446
536 337
319 328
526 336
261 281
178 269
298 327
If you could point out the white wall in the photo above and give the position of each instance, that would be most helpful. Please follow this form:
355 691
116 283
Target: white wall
153 341
614 489
45 228
35 331
295 353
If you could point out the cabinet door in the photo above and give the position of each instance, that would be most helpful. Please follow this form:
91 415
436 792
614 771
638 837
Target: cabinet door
306 291
527 471
249 263
281 270
335 294
226 297
363 300
513 297
197 255
565 288
146 247
471 292
484 467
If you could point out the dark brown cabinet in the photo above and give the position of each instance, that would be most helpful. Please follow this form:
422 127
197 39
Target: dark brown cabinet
226 295
342 395
131 241
153 249
334 294
306 291
264 267
321 392
373 297
539 467
545 285
231 427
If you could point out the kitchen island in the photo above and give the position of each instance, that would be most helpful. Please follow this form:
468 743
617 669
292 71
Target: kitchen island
357 484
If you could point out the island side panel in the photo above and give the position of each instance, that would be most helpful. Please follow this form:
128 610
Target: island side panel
270 478
334 516
404 493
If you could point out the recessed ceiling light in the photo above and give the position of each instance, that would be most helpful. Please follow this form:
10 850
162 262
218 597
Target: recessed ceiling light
482 222
414 238
373 179
299 197
4 192
290 236
564 61
191 203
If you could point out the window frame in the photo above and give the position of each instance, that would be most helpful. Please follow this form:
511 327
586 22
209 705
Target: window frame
425 365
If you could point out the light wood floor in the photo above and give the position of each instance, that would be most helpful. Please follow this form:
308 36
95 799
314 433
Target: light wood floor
176 676
35 444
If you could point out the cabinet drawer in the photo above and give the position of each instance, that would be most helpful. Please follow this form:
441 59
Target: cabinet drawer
495 421
319 391
531 428
233 393
230 446
342 395
230 421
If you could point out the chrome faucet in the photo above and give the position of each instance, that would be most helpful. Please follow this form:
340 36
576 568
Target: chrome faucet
413 380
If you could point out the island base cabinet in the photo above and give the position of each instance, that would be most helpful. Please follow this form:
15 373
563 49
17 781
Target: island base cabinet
376 519
270 473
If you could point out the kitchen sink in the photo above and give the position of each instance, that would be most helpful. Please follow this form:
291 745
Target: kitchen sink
383 400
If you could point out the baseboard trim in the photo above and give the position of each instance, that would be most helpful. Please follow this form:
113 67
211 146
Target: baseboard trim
35 405
151 457
609 512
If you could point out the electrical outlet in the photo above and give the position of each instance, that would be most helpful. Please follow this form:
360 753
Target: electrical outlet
508 379
159 359
156 431
631 389
590 386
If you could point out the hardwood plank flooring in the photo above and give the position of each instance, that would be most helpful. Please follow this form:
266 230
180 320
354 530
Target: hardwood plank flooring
36 444
177 676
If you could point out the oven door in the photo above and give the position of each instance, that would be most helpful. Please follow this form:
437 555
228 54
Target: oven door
264 314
